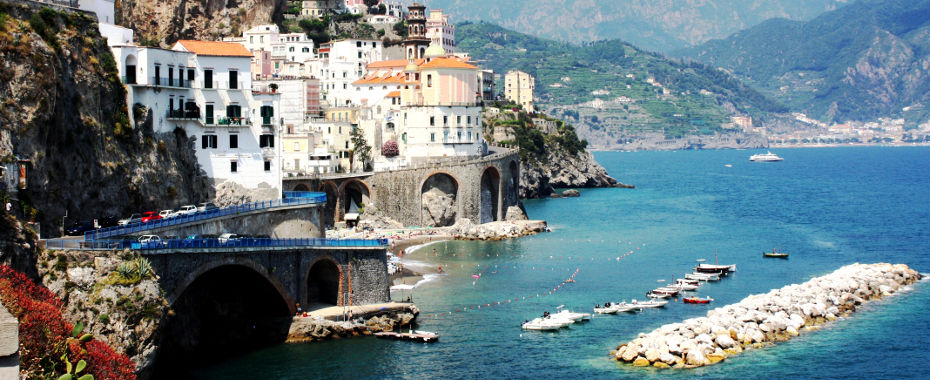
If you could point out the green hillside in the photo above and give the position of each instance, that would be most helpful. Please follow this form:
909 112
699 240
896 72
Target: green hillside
860 62
658 94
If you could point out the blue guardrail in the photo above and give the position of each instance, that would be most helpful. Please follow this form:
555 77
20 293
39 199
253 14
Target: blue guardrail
214 243
304 198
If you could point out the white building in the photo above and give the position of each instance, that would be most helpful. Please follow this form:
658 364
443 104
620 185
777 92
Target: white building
438 27
344 62
519 87
205 89
104 9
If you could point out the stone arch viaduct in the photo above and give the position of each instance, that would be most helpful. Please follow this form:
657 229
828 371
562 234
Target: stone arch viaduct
428 194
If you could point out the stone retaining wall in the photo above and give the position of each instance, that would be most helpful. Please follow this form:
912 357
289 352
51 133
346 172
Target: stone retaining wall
763 319
9 345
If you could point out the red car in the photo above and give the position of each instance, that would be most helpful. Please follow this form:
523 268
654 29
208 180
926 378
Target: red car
150 216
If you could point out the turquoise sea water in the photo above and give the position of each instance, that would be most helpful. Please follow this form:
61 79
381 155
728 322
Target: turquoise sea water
827 207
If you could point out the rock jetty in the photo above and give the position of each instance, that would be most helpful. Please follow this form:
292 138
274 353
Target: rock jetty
759 320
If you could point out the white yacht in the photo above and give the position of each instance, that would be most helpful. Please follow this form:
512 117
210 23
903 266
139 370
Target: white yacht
767 157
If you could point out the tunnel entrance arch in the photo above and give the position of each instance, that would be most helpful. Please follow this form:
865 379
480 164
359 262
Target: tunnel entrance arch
219 310
324 283
301 187
439 200
354 196
490 195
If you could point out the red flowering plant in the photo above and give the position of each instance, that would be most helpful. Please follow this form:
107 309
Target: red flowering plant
390 149
49 346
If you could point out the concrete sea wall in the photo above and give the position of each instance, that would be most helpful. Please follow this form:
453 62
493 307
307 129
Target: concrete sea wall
763 319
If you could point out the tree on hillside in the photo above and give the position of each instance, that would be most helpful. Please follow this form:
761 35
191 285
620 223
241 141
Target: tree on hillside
360 152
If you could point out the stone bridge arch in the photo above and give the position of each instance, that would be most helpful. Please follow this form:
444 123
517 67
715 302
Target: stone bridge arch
325 283
301 187
260 270
439 199
490 202
223 307
332 201
353 192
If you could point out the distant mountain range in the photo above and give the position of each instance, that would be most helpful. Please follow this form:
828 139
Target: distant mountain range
868 60
612 90
656 25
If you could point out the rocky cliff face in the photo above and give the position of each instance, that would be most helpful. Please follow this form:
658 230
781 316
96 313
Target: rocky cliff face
558 168
64 113
163 22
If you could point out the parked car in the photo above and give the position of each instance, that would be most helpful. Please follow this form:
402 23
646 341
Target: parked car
165 214
227 238
187 210
149 239
206 206
79 228
134 218
150 216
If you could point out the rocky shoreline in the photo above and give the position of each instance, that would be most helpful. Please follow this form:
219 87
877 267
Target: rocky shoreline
319 328
760 320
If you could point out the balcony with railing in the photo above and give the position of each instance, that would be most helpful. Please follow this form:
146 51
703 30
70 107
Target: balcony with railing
190 114
225 85
170 82
231 121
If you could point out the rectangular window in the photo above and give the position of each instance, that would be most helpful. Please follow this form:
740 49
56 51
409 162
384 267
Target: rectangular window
267 166
233 79
469 120
157 75
208 79
208 142
432 137
191 73
429 80
171 76
458 120
445 120
432 120
209 114
233 141
233 166
267 112
266 141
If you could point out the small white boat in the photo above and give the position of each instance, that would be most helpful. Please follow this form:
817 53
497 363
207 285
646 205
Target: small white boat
567 314
767 157
651 304
702 276
624 307
605 310
657 295
687 281
683 286
541 324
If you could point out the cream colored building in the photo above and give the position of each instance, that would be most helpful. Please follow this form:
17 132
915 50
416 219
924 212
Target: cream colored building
519 87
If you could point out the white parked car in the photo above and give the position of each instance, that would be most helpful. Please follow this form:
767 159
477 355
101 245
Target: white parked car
206 206
186 210
226 238
166 214
149 239
134 218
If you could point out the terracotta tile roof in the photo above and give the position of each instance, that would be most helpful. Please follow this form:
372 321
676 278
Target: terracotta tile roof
385 79
447 63
214 48
393 94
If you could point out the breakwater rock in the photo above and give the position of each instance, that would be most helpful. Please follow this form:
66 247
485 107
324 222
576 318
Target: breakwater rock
464 229
318 328
763 319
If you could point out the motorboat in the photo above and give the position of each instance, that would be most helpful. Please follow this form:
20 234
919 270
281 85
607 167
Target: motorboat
683 286
657 295
766 157
624 307
665 290
651 304
567 314
694 299
775 254
687 281
702 276
541 324
605 310
722 270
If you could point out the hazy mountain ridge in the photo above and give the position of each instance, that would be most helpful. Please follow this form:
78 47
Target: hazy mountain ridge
661 25
613 91
865 61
